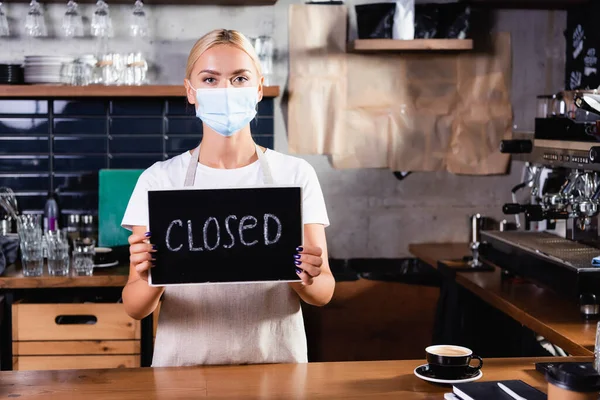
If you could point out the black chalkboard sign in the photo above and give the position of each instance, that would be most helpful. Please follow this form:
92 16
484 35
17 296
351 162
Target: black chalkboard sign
225 235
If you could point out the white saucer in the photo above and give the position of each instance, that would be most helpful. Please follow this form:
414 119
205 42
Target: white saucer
447 381
112 264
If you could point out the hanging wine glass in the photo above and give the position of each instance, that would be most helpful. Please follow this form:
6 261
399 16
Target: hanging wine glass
35 25
72 23
101 22
4 31
139 22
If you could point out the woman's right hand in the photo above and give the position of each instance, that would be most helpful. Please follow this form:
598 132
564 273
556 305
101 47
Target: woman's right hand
141 254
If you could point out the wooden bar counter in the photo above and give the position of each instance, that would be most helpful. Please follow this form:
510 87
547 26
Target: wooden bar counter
368 380
537 308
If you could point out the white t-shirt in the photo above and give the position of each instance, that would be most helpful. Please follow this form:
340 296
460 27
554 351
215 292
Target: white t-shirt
286 170
229 323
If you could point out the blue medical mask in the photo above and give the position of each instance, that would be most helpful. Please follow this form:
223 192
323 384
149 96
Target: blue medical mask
226 110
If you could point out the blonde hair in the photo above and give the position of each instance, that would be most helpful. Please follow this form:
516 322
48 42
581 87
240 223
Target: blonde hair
218 37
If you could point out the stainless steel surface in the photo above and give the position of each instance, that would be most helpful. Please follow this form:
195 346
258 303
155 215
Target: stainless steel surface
5 227
590 309
476 221
475 228
8 201
564 137
551 247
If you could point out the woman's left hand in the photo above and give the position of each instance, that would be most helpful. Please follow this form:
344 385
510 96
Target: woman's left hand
308 263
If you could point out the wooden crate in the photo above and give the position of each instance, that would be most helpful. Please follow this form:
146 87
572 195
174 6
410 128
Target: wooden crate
47 336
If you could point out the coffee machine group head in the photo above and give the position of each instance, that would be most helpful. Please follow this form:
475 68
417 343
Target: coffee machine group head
566 144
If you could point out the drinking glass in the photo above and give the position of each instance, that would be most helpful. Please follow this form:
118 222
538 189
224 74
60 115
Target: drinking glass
264 50
73 227
4 30
104 70
50 237
110 71
35 25
58 257
29 227
56 236
81 74
89 228
139 22
119 66
101 22
72 23
31 258
83 256
136 69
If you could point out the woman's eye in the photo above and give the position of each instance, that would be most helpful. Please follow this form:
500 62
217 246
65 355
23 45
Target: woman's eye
240 79
210 80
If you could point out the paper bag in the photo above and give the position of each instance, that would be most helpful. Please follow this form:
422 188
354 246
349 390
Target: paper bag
403 111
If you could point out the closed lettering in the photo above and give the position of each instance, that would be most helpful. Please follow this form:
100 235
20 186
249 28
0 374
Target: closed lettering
208 232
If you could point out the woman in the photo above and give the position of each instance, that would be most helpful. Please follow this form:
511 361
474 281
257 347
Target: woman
235 323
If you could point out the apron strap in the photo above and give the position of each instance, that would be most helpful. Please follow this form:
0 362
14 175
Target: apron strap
265 167
190 175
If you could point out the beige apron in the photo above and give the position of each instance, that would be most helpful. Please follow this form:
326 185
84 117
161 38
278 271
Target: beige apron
230 323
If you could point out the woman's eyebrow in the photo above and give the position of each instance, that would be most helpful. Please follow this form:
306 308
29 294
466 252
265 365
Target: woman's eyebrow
209 71
239 71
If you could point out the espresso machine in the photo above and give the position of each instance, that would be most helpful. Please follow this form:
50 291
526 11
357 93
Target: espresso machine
556 240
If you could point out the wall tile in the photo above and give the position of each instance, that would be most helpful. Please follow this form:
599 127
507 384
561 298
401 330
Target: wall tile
136 144
265 107
262 126
20 163
24 144
23 107
265 141
76 182
79 163
137 107
80 144
136 126
179 144
192 125
78 201
182 126
22 182
135 162
32 201
80 126
91 134
79 107
180 107
24 125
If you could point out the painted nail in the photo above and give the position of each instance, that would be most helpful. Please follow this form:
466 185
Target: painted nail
297 262
299 248
154 247
298 271
148 234
297 256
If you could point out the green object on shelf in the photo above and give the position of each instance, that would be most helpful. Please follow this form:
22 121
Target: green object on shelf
115 188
